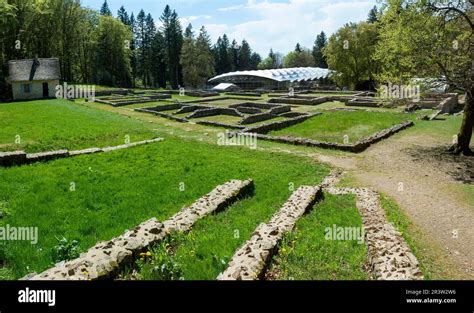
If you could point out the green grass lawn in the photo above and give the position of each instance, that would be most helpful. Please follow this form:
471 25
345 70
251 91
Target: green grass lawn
306 254
59 124
118 190
333 126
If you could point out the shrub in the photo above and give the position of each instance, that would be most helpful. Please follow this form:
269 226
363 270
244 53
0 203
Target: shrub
65 250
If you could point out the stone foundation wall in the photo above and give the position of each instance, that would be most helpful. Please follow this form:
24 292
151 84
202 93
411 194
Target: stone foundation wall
187 109
161 114
248 110
110 92
280 109
257 118
215 111
202 94
450 105
105 259
218 99
166 107
218 124
249 94
291 101
257 105
250 260
292 114
265 128
357 147
22 158
363 103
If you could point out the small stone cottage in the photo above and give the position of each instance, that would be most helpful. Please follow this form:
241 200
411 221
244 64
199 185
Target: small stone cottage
34 78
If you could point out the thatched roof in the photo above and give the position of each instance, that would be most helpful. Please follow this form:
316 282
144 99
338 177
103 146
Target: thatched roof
34 69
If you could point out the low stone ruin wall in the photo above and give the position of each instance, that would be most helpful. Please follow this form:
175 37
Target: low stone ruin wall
187 109
357 102
357 147
246 110
161 114
218 99
105 259
291 101
257 105
251 259
249 94
21 158
450 105
214 111
301 100
202 94
446 102
123 103
389 256
292 114
265 128
257 118
166 107
280 109
110 92
160 96
218 124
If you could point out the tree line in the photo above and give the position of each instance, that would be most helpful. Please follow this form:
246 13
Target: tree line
431 41
125 50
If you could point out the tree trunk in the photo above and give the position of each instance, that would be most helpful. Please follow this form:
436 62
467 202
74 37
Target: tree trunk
465 134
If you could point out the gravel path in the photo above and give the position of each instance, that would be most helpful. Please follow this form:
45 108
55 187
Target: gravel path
423 189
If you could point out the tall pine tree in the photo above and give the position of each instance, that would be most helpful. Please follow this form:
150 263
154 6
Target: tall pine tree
319 44
104 10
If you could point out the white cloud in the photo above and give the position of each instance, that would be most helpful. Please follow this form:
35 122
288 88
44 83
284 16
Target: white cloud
216 30
232 8
281 25
185 21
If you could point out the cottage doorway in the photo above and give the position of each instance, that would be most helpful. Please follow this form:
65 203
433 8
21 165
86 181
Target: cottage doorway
45 90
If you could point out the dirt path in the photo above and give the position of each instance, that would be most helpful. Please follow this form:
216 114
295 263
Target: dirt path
424 191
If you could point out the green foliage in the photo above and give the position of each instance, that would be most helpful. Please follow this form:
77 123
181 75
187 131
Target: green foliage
319 45
273 61
197 60
4 209
159 263
266 64
65 250
173 38
301 58
104 10
245 56
373 15
416 41
350 53
112 34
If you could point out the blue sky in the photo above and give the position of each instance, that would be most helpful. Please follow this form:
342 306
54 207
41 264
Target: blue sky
265 24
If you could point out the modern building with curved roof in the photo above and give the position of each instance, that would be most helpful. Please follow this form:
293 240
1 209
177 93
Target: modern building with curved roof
275 78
